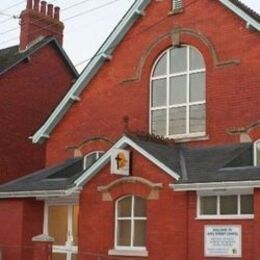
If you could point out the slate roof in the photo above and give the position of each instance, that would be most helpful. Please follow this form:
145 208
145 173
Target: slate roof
10 57
222 163
246 9
58 177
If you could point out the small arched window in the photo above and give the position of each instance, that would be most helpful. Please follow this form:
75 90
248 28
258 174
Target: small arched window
257 153
90 158
177 107
130 223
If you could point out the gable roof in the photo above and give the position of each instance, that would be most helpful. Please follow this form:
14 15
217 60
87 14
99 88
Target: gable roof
10 57
190 168
105 51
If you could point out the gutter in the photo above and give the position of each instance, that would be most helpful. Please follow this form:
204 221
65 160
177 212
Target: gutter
42 194
215 185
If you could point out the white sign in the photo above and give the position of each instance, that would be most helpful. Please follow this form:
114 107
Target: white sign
222 241
120 162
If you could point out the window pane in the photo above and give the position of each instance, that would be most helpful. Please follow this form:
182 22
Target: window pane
197 87
178 91
74 257
258 154
140 207
159 92
124 233
246 204
124 207
89 160
58 256
228 205
177 121
75 224
159 122
197 118
178 59
160 68
208 205
196 60
57 224
139 232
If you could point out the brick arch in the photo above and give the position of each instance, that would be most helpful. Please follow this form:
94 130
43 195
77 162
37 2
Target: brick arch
174 38
91 144
132 185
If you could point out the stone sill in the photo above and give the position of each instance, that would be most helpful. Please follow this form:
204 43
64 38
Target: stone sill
129 252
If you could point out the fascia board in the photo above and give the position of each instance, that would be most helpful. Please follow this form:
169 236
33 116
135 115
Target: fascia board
42 194
241 14
216 185
122 143
91 69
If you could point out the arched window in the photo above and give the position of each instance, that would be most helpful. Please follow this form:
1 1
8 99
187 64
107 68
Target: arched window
90 158
177 107
130 223
257 153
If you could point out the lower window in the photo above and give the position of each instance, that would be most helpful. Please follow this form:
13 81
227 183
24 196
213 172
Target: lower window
61 223
130 223
226 205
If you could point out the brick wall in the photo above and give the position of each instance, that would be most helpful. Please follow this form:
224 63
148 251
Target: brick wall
29 93
231 90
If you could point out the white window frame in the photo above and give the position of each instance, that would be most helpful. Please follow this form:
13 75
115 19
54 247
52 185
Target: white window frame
256 143
98 155
187 104
177 5
219 194
69 249
132 218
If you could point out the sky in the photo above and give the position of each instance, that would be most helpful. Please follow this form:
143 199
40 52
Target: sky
87 24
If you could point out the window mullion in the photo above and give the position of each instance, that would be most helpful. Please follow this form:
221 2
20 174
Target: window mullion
132 221
188 92
239 204
167 93
69 226
218 205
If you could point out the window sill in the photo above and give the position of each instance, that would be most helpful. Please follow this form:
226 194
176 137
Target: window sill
223 217
190 138
128 252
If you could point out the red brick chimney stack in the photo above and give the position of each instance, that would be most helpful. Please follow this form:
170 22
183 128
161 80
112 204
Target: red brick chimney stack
40 19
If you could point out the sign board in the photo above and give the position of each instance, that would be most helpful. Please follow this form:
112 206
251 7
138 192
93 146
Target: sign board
120 162
222 241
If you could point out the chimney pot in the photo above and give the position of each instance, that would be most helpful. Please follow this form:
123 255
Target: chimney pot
57 13
43 7
36 5
50 10
29 4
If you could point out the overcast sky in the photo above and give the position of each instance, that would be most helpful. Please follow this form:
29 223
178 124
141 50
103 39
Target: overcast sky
87 23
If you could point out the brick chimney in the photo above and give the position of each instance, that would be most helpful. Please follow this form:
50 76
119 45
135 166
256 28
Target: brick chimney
40 19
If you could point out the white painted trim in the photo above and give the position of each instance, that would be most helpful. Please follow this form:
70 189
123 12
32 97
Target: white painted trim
215 185
248 19
40 194
122 143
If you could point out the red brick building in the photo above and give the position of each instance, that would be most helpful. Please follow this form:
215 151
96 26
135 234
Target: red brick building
170 108
33 78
